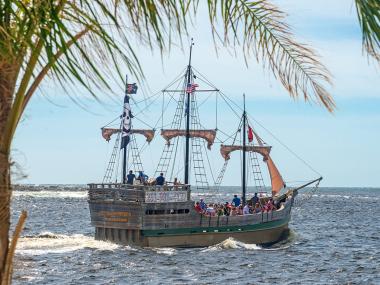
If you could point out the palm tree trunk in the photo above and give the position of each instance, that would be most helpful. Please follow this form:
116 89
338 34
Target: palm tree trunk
8 74
5 194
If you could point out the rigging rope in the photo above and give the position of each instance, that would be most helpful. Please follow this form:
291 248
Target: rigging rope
285 146
278 140
299 202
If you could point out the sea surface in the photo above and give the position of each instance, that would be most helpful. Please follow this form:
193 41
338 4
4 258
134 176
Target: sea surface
335 239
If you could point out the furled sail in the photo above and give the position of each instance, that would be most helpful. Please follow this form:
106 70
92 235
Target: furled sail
276 179
225 150
208 135
108 132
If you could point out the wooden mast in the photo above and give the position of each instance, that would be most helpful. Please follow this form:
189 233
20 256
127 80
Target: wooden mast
187 110
125 147
244 154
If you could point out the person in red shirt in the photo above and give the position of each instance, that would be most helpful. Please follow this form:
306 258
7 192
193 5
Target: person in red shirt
198 207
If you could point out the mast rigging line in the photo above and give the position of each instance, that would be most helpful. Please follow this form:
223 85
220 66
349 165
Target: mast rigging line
134 117
164 110
167 105
135 102
159 92
106 125
272 135
287 148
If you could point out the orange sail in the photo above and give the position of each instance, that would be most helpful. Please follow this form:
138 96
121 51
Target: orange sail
108 132
276 179
208 135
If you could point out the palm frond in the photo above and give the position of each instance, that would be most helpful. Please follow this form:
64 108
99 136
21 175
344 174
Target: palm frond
259 27
369 18
113 27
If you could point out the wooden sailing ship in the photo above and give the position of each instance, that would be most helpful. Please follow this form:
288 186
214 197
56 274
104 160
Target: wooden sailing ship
164 216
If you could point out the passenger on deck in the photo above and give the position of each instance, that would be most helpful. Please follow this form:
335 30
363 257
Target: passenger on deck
210 211
257 208
220 211
130 177
233 211
142 177
236 201
246 210
240 209
255 199
198 207
226 209
203 205
160 180
269 206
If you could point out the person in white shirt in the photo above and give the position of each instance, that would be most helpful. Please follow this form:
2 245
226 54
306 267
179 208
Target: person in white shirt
210 210
246 210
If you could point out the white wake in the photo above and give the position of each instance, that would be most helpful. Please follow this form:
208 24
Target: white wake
48 242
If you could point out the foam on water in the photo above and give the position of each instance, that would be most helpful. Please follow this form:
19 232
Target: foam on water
337 196
47 242
51 194
232 243
165 250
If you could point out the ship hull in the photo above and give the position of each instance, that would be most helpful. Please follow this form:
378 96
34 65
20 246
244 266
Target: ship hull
130 217
266 234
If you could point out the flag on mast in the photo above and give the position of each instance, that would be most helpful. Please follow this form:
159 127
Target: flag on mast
191 87
127 115
250 134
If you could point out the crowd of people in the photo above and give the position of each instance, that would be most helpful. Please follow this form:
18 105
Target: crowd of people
236 208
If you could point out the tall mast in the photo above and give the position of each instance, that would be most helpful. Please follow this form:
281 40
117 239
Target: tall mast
125 148
244 153
187 110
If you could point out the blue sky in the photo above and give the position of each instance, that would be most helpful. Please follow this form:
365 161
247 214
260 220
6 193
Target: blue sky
59 141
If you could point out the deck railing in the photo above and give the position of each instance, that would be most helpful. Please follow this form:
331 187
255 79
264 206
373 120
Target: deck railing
134 193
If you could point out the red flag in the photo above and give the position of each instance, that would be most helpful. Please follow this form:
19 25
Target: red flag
250 134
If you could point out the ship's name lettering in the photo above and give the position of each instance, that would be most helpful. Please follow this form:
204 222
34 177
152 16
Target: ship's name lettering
164 196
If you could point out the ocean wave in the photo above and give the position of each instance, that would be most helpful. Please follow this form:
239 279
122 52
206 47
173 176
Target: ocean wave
47 242
51 194
337 196
232 243
165 250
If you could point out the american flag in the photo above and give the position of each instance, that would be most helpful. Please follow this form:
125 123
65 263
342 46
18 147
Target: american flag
191 87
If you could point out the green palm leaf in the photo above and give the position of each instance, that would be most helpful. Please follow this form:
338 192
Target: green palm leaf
41 38
369 18
259 28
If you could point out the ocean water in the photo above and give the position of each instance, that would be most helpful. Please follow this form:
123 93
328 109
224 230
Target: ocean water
335 239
